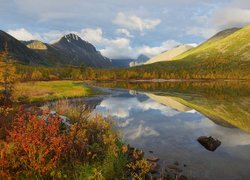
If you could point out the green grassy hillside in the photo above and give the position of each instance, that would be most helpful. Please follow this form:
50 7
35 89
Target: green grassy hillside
235 46
226 55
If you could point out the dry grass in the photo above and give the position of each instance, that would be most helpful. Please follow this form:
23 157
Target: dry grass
50 90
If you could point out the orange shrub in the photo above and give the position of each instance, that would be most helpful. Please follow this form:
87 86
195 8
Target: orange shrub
33 145
41 147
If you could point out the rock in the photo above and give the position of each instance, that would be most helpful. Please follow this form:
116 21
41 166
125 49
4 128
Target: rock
176 163
174 167
65 120
158 178
154 167
148 176
153 159
181 177
209 143
135 154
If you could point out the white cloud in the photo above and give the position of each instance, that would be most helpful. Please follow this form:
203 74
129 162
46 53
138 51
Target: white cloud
231 17
121 48
94 36
52 35
135 23
141 131
124 122
202 31
132 104
193 44
118 48
113 48
152 51
123 31
23 34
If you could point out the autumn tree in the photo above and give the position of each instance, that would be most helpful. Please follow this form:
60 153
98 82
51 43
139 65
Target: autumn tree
91 74
8 76
37 75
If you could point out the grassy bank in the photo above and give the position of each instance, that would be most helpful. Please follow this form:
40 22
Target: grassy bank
50 90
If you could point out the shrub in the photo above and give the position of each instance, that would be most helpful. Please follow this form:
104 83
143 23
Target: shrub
34 146
41 147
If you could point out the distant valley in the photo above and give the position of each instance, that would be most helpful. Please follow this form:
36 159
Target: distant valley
124 63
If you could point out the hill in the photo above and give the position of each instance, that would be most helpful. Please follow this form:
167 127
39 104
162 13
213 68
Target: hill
19 52
139 61
68 50
53 55
75 51
225 55
222 34
170 54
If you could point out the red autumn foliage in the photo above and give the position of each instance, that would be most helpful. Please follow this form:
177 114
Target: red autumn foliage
40 146
34 144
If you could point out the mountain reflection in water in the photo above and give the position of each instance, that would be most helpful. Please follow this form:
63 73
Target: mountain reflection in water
168 118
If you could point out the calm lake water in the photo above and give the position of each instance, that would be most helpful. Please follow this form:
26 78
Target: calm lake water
168 117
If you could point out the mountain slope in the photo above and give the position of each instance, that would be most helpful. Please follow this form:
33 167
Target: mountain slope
215 43
69 50
18 51
225 57
168 101
52 54
222 34
141 59
170 54
75 51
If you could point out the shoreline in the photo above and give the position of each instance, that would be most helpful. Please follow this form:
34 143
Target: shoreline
185 80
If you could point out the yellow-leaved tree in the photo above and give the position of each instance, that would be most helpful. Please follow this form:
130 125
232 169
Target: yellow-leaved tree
8 77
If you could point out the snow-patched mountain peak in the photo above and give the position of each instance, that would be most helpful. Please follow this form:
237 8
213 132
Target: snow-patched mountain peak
71 36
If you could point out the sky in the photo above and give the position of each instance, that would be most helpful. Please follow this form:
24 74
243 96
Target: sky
123 28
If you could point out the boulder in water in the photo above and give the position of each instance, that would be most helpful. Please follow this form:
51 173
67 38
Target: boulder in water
209 143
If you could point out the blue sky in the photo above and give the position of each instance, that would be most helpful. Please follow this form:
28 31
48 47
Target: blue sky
123 28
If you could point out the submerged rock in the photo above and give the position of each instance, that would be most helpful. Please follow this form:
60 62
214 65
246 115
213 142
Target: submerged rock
209 143
181 177
173 167
154 167
153 159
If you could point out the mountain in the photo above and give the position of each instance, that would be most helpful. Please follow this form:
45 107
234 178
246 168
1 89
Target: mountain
70 50
19 52
52 54
142 58
225 55
124 63
121 63
222 34
169 102
170 54
139 61
221 44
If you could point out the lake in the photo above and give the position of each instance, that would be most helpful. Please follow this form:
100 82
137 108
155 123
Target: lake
168 117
